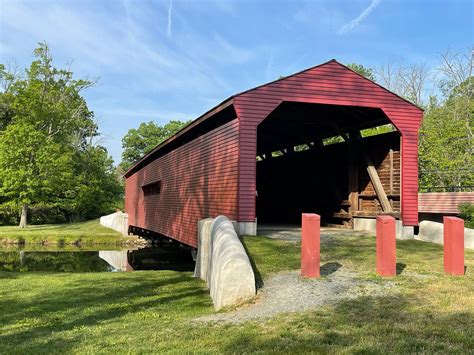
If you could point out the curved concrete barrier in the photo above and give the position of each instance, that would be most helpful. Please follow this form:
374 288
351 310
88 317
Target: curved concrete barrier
223 263
117 221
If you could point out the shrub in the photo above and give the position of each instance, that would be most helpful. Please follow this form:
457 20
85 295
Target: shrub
9 214
466 212
37 214
50 214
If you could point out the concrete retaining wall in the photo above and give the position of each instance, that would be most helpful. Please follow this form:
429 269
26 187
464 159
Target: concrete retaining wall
428 231
223 263
370 225
434 232
117 221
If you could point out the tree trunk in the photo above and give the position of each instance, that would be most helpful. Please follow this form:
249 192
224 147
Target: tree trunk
24 215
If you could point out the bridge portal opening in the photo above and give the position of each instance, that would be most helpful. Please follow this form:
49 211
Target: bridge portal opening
341 162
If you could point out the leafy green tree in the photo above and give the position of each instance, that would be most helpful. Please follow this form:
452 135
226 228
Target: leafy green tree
138 142
33 167
98 188
47 153
446 141
364 71
6 96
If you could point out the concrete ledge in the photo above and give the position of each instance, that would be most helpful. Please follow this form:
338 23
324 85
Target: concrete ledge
370 225
117 221
434 232
223 263
245 228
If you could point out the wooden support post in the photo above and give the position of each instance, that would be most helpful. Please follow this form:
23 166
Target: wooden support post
310 235
353 178
453 246
390 153
374 177
386 246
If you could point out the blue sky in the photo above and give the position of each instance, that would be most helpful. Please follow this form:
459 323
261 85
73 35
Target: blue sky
162 60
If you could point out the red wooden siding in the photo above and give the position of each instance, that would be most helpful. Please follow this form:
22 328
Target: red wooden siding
443 202
198 180
330 83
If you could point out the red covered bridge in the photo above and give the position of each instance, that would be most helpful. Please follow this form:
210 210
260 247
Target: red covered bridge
265 153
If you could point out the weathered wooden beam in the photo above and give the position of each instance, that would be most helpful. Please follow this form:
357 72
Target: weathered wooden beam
374 176
379 190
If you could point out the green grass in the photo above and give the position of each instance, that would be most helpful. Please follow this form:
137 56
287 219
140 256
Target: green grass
153 311
83 233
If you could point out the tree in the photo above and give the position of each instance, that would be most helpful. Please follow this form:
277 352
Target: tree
138 142
47 153
7 78
408 81
446 137
33 167
364 71
97 186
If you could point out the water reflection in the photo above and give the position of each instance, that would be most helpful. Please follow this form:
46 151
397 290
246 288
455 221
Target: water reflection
150 258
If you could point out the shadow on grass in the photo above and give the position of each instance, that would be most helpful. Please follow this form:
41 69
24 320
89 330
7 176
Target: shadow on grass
400 268
258 276
329 268
368 324
89 301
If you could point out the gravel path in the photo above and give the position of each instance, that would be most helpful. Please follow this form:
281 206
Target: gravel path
293 233
287 292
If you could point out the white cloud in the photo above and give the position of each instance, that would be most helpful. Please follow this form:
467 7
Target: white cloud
348 27
143 76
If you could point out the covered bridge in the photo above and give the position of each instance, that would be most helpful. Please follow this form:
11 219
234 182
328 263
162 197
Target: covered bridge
265 154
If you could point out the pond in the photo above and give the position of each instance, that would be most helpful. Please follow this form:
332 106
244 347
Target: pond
78 260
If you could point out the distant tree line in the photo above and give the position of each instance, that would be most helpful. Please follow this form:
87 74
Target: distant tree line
50 161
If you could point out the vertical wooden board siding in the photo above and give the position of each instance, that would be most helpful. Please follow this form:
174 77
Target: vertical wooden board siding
330 83
198 180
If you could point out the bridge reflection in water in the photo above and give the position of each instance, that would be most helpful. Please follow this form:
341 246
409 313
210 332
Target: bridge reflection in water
151 258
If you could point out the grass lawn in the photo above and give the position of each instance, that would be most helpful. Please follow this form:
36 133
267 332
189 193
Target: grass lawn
154 311
90 232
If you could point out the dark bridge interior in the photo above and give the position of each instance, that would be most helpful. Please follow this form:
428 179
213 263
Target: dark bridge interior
312 158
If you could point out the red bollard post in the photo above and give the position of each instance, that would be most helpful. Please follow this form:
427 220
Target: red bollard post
386 246
310 237
453 246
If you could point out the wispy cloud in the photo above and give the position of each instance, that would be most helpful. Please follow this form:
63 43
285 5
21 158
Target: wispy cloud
170 9
348 27
141 73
